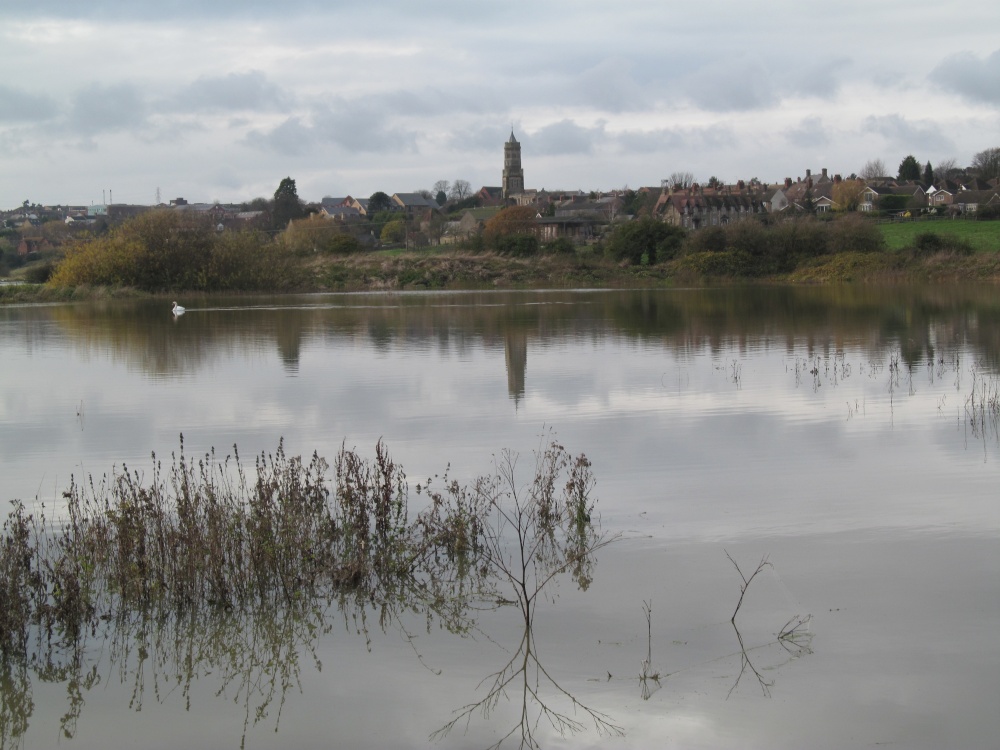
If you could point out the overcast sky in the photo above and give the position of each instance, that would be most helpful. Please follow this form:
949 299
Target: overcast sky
220 100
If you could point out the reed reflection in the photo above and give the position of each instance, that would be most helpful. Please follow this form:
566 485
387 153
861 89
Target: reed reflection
208 571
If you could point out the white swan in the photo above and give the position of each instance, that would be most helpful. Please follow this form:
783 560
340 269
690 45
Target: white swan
178 310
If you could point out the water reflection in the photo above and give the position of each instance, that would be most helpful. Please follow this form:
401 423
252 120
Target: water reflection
924 325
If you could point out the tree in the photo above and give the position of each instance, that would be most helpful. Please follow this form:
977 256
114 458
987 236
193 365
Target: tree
874 169
679 180
909 169
460 190
945 167
441 186
847 194
377 202
928 175
441 198
394 231
647 237
286 204
511 221
987 163
315 234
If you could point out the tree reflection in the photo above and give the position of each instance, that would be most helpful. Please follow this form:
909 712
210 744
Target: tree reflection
536 535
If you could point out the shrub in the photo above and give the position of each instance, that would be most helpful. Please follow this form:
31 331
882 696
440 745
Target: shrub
393 231
155 251
854 233
988 212
517 245
931 243
40 272
165 250
560 246
647 239
343 244
708 240
725 264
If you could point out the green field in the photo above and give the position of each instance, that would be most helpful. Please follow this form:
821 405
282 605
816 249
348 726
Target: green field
984 236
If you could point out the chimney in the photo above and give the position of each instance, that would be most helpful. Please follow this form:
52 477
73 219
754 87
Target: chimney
808 173
824 172
788 182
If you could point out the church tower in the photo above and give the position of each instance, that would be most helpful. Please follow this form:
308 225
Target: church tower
513 175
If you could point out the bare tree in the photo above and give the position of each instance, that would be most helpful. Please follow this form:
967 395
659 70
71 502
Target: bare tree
441 186
460 190
874 169
678 180
987 163
945 167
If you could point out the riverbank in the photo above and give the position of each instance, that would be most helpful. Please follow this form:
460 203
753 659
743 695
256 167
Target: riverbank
587 268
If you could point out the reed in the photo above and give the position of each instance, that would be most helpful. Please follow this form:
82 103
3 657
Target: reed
211 534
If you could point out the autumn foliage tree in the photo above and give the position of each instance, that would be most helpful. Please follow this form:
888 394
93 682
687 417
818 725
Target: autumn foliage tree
847 194
318 234
512 231
165 250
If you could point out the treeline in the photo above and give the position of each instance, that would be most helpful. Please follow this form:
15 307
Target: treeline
164 250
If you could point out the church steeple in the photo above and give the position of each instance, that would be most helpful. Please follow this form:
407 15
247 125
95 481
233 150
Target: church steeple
513 175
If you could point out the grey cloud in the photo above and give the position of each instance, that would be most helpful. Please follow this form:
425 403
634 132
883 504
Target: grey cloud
976 79
354 126
710 138
99 109
609 86
19 106
233 92
812 131
732 85
482 136
362 126
820 79
290 138
909 136
564 137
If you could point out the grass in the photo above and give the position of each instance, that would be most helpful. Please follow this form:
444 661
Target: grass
984 236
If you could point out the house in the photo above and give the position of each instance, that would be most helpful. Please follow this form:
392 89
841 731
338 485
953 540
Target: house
340 212
413 203
29 245
695 207
577 229
910 196
812 194
359 203
463 228
969 201
490 196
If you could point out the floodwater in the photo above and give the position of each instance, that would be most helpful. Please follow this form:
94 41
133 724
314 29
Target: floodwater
846 436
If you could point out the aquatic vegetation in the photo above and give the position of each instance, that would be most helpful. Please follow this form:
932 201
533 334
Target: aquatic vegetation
182 571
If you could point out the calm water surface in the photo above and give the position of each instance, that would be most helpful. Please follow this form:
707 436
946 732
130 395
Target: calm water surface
837 432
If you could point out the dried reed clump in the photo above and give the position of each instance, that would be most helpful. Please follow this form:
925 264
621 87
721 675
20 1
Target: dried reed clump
207 533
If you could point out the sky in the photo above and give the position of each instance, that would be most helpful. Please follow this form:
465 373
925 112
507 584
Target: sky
128 100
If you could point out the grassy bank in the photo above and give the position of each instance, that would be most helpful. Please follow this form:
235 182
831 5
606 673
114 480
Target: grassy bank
984 236
159 254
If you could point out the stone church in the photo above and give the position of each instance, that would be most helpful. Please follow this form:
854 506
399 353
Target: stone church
513 174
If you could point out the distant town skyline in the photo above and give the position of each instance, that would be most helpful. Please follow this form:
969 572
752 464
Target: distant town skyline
221 101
